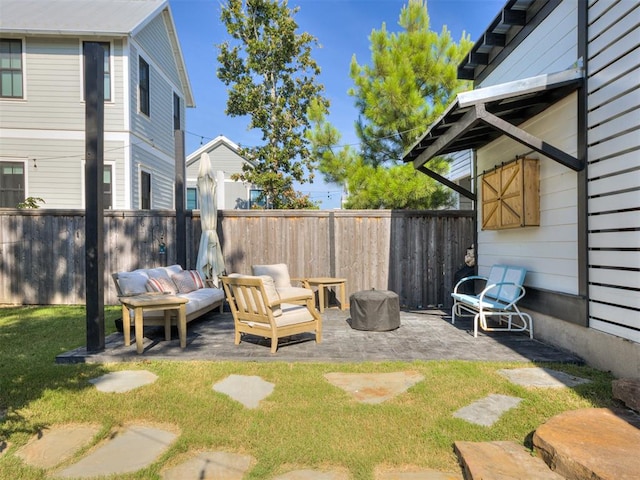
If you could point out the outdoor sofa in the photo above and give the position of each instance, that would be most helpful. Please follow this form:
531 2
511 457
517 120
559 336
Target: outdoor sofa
173 279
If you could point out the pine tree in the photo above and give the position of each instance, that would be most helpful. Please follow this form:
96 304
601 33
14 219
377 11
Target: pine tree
411 80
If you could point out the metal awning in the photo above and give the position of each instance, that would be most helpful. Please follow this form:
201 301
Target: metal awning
478 117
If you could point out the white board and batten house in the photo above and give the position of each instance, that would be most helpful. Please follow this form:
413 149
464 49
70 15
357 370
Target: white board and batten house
554 122
42 109
225 161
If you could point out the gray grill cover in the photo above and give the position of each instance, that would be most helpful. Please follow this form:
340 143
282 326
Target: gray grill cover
375 310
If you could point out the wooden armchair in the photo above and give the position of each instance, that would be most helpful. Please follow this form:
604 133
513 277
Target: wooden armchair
258 309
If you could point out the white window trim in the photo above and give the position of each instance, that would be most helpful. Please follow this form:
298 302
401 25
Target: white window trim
114 183
140 112
144 169
23 40
25 169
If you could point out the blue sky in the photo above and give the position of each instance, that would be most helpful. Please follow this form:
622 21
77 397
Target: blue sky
342 28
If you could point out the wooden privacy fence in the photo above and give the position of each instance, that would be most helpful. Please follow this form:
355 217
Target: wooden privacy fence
413 253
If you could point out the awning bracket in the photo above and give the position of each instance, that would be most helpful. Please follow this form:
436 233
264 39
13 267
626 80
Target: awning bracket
446 182
527 139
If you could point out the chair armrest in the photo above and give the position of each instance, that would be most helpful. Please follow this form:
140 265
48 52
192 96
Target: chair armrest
302 281
302 300
465 279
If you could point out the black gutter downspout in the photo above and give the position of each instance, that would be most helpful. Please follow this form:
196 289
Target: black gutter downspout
582 152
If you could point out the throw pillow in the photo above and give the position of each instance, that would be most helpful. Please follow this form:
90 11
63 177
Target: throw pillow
164 282
187 281
132 283
161 284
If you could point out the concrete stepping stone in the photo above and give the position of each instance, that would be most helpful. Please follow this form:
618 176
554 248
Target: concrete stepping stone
313 475
135 448
249 390
123 381
501 461
417 475
54 445
590 443
541 377
374 387
211 466
488 410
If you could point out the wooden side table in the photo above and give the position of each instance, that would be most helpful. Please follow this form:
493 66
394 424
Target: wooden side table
326 282
153 302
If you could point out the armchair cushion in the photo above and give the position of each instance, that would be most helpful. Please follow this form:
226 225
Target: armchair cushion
279 272
269 288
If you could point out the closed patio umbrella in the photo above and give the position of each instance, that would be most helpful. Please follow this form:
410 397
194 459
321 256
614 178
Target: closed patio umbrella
210 262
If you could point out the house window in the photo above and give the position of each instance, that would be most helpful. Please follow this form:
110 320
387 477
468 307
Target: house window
144 86
257 199
10 68
107 188
145 190
107 68
192 198
176 112
11 184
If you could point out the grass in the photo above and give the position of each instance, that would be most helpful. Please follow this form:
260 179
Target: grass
305 423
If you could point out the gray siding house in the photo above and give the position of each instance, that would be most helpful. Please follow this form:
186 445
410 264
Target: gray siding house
557 83
226 161
42 109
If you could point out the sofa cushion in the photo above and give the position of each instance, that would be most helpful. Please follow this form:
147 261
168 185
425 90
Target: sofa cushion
132 283
279 272
172 269
202 298
187 281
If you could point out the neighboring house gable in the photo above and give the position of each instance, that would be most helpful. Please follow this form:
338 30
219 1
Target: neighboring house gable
42 130
552 80
225 161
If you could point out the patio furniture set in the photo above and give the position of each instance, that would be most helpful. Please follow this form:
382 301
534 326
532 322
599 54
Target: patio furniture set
268 304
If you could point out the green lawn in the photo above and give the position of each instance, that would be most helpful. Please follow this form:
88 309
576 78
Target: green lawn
305 423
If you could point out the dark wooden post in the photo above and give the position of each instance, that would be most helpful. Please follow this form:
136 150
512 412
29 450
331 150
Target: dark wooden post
93 187
181 218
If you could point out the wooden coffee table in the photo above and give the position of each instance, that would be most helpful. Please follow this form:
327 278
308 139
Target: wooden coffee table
152 302
325 282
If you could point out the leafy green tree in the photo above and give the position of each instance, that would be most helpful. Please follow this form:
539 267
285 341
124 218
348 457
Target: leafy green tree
271 77
411 80
30 203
